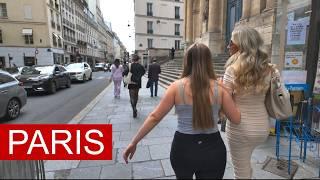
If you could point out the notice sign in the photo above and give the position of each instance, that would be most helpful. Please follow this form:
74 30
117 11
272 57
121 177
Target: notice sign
56 142
293 59
296 32
294 77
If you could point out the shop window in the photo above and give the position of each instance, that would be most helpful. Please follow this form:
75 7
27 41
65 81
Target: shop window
29 61
2 62
1 36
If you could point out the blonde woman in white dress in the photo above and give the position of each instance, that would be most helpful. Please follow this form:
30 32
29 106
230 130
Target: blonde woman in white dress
247 77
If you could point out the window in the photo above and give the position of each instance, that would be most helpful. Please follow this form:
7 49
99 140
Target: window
28 39
177 12
177 44
54 40
1 36
6 79
2 62
149 27
177 29
149 9
27 12
150 43
3 10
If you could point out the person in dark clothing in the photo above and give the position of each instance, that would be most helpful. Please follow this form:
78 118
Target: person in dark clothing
137 71
153 75
125 70
172 52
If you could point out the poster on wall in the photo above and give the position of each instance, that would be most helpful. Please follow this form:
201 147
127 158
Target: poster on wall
296 32
294 76
293 59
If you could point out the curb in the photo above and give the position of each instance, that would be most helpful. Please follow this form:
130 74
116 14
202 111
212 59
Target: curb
77 118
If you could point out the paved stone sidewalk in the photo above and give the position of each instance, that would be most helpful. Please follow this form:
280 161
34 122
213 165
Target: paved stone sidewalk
151 159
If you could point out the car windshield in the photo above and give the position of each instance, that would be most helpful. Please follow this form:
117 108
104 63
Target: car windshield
29 70
45 69
99 64
74 66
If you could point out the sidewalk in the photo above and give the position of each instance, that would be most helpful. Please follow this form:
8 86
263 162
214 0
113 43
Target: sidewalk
151 159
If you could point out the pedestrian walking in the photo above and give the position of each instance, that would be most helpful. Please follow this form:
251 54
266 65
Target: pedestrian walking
125 69
137 71
153 76
116 76
247 77
197 147
172 53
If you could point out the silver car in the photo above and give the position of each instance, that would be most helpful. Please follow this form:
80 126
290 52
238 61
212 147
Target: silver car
12 96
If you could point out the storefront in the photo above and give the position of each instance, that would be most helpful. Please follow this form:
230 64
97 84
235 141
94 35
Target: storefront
295 46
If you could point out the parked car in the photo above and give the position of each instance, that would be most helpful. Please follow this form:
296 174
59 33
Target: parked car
12 96
20 69
47 78
99 67
107 67
80 71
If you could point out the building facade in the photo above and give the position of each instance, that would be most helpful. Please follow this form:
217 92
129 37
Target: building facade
34 32
30 36
158 25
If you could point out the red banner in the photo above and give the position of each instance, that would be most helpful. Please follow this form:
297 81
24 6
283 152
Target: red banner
56 142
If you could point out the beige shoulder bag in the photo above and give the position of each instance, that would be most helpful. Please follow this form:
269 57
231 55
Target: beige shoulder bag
278 98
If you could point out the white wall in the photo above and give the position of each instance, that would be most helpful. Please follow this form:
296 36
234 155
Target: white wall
44 57
163 31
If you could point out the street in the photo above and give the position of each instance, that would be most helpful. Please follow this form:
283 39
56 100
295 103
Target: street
61 107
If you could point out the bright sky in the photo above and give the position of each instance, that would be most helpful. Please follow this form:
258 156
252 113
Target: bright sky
120 13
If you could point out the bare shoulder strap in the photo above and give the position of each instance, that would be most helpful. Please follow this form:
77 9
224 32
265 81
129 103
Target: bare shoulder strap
181 91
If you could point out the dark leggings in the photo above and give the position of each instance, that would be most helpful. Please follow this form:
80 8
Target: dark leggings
134 94
204 155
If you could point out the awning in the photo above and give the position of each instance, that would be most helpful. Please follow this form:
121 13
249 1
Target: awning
27 31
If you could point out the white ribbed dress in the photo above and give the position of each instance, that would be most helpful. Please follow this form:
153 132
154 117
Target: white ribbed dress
252 131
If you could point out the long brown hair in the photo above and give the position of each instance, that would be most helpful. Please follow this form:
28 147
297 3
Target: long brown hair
198 66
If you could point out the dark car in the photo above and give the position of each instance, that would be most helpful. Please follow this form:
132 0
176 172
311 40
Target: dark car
45 78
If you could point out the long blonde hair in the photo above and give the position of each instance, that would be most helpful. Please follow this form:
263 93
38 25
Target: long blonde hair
251 66
198 66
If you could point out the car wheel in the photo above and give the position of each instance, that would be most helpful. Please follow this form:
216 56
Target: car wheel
84 78
53 88
68 85
90 77
13 109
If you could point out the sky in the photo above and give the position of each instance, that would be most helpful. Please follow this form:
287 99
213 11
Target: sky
120 13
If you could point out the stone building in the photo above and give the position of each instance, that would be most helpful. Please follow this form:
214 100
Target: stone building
158 27
29 36
212 21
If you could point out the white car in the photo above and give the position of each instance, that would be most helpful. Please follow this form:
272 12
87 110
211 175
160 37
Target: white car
80 71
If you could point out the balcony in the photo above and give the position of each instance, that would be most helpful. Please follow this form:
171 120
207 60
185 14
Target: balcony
149 13
150 31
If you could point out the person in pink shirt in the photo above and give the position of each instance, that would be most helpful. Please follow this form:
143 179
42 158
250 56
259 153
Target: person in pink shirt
116 76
